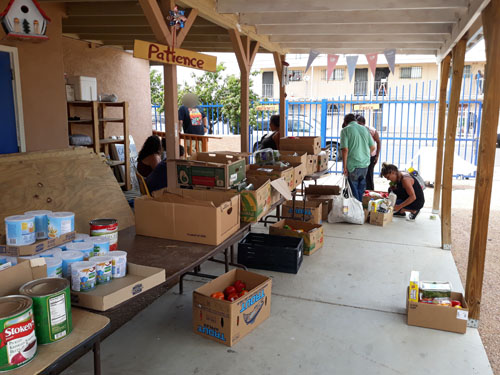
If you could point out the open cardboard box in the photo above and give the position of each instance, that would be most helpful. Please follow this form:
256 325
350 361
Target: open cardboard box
323 161
35 248
381 219
201 216
297 157
299 172
312 235
311 164
323 194
311 213
255 203
228 322
273 172
103 297
12 278
311 145
279 187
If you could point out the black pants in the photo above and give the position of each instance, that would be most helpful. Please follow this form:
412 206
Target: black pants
369 175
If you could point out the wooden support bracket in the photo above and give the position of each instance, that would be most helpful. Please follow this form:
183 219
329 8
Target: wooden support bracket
278 62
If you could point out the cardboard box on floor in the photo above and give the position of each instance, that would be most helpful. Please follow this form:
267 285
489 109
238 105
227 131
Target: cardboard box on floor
380 219
323 194
35 248
12 278
312 235
433 316
273 172
201 216
312 213
296 157
138 280
312 164
218 170
255 203
367 198
228 322
311 145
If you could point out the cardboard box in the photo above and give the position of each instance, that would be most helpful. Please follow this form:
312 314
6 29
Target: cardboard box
299 172
273 172
443 318
326 206
311 145
228 322
296 157
312 213
201 216
319 190
279 188
367 215
255 203
380 219
312 164
367 198
312 235
322 162
103 297
12 278
211 169
37 247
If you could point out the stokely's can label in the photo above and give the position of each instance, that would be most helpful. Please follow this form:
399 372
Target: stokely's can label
107 228
18 343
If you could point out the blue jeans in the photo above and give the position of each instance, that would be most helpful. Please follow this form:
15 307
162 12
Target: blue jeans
357 180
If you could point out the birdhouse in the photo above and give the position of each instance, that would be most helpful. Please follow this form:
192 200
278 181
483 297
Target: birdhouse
25 19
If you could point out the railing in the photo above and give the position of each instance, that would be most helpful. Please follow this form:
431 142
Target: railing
267 90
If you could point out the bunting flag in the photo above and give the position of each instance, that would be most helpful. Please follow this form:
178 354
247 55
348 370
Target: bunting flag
372 61
390 56
351 65
312 55
331 64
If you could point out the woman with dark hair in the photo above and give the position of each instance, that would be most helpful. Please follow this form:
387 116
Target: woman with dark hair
410 196
272 140
149 156
370 185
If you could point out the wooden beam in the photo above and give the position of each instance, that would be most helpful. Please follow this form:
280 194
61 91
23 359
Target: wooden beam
486 161
181 35
278 63
389 28
200 40
106 21
380 45
458 55
465 23
353 17
124 8
443 90
156 20
263 6
383 38
254 48
118 30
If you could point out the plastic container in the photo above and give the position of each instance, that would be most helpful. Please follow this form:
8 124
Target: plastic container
264 156
55 251
41 223
83 276
69 257
417 177
101 245
103 268
54 266
119 263
60 223
80 237
86 247
8 259
20 230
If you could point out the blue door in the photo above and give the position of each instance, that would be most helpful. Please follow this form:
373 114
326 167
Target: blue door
8 130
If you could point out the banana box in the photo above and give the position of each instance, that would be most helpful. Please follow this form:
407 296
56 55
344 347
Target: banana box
257 202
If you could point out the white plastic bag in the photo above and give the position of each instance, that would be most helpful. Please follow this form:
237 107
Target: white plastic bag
348 210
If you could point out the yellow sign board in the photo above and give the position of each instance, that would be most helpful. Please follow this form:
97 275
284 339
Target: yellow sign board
362 107
268 107
166 55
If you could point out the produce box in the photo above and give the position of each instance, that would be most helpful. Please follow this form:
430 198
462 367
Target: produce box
312 233
12 278
380 219
296 157
37 247
105 296
324 194
201 216
322 162
273 172
311 145
299 172
273 253
211 169
312 164
445 318
255 203
368 198
279 188
311 213
228 322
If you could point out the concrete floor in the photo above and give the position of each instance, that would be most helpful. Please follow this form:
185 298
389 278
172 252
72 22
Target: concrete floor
343 313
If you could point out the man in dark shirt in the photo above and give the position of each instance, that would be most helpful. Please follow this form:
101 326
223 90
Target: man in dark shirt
191 116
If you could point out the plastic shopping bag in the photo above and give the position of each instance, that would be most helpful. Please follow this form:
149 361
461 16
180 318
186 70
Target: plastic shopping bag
346 208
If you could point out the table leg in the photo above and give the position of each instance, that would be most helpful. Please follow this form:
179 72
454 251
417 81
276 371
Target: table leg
226 260
232 253
97 358
181 286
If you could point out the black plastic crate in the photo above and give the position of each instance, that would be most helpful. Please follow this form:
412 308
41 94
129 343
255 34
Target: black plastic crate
273 253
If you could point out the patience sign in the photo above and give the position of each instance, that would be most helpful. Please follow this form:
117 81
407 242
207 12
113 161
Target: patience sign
177 56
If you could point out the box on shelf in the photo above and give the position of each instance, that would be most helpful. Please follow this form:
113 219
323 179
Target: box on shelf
312 233
312 212
322 162
279 187
270 252
228 322
297 157
380 219
85 88
104 297
299 172
311 145
12 278
322 193
255 203
273 172
35 248
201 216
312 164
217 170
444 318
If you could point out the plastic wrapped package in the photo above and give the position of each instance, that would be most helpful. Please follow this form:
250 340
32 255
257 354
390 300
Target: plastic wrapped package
264 157
435 289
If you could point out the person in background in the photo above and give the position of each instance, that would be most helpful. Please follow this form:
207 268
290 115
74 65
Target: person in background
149 156
480 80
158 178
409 193
272 140
370 185
192 119
356 144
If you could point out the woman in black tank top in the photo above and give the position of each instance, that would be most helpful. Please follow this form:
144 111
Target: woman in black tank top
410 196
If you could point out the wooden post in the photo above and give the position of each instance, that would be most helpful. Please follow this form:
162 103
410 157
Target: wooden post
486 160
443 88
278 62
458 54
245 51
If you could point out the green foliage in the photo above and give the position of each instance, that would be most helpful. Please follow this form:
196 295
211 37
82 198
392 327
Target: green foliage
157 92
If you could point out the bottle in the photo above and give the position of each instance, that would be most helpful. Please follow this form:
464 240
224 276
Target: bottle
345 208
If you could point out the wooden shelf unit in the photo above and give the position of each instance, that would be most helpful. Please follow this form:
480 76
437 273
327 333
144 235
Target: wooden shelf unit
97 119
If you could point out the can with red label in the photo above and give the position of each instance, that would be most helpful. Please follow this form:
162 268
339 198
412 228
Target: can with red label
18 343
107 228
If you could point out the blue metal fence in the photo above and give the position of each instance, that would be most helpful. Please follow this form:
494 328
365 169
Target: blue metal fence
405 117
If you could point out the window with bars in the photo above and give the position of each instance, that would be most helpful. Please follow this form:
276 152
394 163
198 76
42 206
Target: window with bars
337 75
295 75
411 72
467 71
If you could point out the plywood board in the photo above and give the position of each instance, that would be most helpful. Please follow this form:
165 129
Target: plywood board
73 179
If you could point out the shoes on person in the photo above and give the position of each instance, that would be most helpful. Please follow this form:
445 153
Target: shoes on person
412 216
399 213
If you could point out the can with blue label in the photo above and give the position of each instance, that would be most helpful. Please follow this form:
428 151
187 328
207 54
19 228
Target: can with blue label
101 245
20 230
83 276
80 237
69 257
41 223
60 223
86 247
103 268
54 252
54 266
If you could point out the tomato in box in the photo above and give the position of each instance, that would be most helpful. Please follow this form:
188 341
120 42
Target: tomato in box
229 290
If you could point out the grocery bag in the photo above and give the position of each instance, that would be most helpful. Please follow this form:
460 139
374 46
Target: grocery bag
346 208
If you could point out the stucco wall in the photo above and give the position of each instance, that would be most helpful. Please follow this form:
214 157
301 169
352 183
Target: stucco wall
42 84
117 72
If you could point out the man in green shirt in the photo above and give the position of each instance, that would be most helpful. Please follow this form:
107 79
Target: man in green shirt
356 144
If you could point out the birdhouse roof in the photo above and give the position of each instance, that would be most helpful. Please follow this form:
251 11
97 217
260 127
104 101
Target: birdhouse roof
11 2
